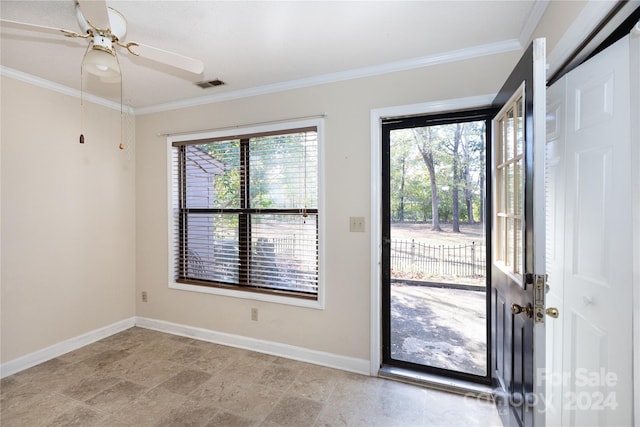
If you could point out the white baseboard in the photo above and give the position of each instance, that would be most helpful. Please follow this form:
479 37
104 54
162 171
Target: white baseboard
345 363
21 363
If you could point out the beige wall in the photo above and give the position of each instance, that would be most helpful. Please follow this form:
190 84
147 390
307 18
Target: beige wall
343 327
68 220
84 228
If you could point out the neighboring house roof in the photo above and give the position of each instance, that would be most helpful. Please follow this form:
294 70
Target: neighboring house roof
204 161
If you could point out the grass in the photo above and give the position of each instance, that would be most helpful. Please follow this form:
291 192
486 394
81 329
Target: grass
421 232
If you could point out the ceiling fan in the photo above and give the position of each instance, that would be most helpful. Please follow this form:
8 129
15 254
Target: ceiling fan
105 28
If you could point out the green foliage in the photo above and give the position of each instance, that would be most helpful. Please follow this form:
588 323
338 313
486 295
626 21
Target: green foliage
411 195
282 171
227 183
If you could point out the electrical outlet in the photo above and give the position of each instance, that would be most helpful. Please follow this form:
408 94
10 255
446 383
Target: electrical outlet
144 296
254 314
356 224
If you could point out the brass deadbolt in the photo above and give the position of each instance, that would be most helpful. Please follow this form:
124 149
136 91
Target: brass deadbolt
517 309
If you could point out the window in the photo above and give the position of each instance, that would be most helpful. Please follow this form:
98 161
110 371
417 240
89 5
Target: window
246 212
509 190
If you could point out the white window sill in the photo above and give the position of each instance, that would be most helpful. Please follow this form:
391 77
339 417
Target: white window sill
247 295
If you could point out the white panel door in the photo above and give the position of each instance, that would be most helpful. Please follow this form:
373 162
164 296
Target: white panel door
597 262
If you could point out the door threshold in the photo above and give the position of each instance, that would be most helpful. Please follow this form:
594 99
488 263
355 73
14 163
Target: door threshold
437 382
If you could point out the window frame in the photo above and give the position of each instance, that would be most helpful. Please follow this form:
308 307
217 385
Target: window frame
512 265
240 133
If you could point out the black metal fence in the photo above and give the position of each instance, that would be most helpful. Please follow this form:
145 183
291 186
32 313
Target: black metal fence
409 258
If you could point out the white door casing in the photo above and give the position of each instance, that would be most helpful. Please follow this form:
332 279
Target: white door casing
634 74
555 181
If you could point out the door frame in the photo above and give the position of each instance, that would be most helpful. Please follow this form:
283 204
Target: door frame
465 115
634 59
377 115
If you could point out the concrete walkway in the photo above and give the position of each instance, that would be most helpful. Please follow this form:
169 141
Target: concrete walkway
439 327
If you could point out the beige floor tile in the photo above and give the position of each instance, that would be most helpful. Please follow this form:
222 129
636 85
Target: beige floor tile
125 341
189 414
185 381
216 358
187 355
9 385
294 411
159 349
316 382
246 369
87 387
105 360
39 410
41 371
84 352
115 397
278 376
231 420
142 378
150 408
247 400
21 395
54 377
452 410
79 416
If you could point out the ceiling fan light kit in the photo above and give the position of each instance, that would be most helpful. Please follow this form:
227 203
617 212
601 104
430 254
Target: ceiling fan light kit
102 62
101 59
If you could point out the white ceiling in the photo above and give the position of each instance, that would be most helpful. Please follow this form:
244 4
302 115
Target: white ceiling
259 46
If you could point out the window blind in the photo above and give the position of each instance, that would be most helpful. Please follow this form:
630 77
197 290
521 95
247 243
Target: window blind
246 212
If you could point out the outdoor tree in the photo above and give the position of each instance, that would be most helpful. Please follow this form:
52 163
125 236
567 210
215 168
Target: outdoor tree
455 202
401 148
437 174
472 164
427 147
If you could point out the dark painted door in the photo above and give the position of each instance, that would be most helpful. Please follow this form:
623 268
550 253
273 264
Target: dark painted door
517 273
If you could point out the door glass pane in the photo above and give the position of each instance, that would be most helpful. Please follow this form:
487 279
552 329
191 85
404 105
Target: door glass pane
500 135
517 267
509 187
510 242
519 127
509 141
519 189
437 256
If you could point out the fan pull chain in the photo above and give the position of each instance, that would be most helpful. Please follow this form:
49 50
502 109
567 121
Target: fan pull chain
121 146
82 100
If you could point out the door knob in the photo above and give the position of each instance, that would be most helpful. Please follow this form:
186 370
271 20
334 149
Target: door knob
552 312
517 309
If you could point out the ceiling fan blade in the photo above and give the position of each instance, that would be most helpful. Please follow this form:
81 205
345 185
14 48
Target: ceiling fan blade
5 23
95 12
170 58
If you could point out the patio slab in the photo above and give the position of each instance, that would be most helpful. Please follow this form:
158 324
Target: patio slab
439 327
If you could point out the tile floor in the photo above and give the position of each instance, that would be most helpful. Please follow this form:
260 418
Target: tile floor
141 377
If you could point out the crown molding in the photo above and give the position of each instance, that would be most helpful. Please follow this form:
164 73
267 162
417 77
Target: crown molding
535 15
390 67
56 87
403 65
